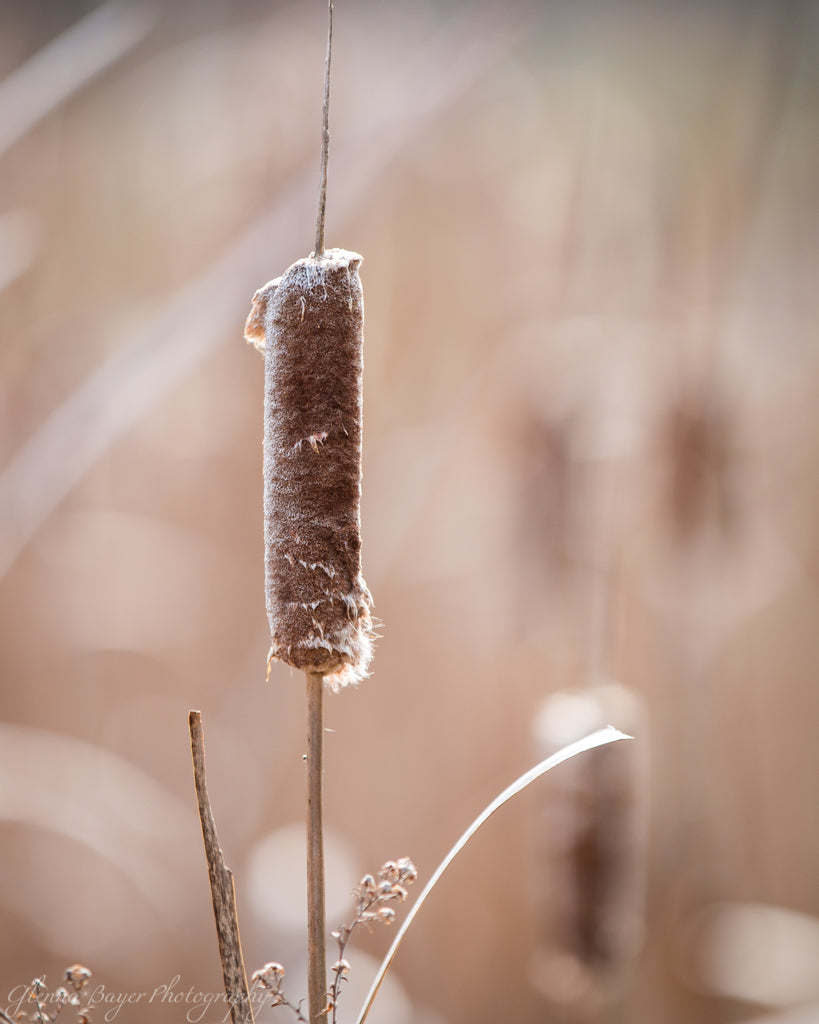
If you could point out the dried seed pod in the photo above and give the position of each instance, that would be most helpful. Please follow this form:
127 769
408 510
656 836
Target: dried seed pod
318 605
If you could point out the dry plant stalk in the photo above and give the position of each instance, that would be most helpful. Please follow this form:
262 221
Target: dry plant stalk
316 915
221 887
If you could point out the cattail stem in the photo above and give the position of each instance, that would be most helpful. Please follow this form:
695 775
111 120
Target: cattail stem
325 138
316 927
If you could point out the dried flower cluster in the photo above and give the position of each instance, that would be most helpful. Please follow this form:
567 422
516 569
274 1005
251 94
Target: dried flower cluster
270 978
373 897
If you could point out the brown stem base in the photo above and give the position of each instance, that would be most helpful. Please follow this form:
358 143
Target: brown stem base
316 927
221 888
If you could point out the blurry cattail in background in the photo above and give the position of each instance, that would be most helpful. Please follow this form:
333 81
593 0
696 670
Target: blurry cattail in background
310 325
700 486
590 838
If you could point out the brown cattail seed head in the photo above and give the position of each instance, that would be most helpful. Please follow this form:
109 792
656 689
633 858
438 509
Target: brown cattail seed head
318 604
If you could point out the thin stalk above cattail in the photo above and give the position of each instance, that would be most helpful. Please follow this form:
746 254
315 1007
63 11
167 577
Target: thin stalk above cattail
325 136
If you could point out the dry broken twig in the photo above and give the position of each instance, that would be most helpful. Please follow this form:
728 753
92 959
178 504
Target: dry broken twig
221 887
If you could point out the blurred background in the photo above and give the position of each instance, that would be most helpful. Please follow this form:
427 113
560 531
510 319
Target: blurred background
591 494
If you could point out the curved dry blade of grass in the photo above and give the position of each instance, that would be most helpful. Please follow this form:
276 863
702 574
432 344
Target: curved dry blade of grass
595 739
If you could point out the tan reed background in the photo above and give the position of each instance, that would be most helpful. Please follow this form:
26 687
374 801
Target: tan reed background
590 453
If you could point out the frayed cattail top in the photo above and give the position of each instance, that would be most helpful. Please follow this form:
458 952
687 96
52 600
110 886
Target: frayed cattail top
311 320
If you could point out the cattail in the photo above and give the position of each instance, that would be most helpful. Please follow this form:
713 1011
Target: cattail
310 325
698 440
311 320
591 849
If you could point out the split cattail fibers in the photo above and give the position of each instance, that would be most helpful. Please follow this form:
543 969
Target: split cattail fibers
310 321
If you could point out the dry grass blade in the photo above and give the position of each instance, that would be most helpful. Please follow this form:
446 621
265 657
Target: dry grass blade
595 739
